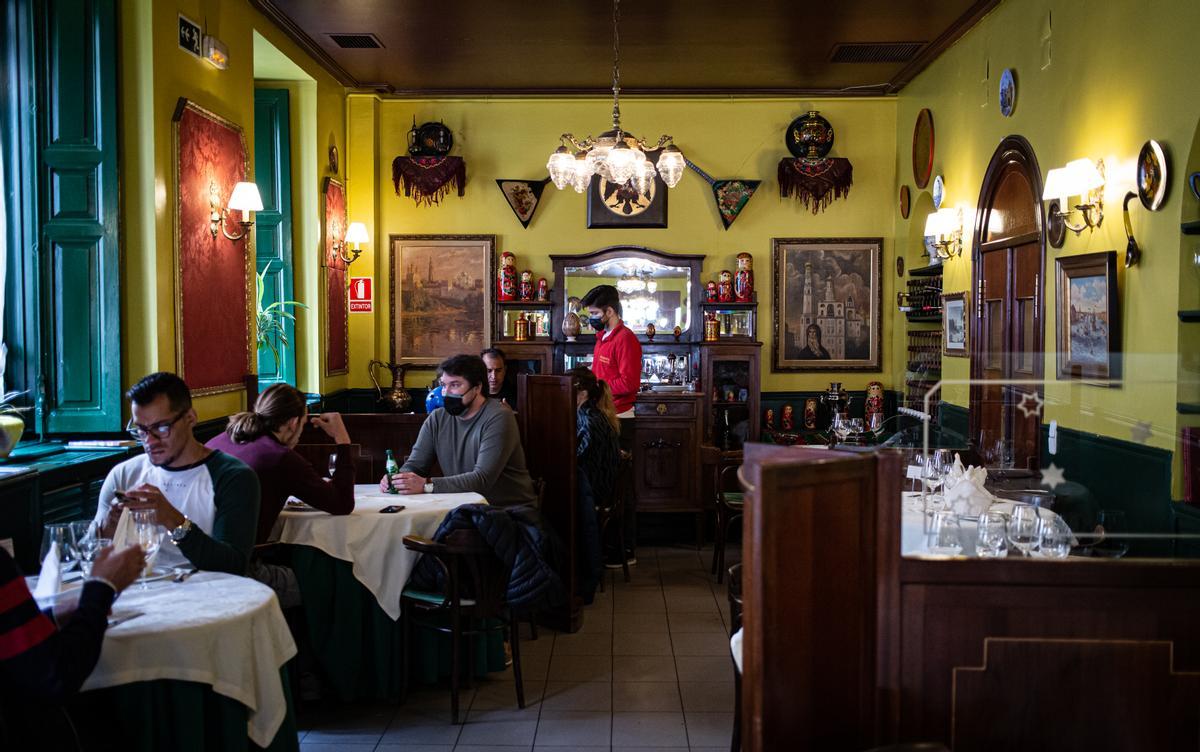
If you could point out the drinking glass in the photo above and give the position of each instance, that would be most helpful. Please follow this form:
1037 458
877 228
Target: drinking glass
88 549
944 534
1056 538
931 477
1024 528
332 463
149 536
62 534
991 538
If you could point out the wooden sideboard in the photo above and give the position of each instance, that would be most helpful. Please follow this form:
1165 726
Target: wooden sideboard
666 452
848 645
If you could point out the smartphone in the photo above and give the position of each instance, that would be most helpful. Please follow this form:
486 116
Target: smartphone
392 509
124 498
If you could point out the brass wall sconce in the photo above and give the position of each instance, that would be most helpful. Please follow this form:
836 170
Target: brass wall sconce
946 228
1082 178
245 198
1133 254
355 234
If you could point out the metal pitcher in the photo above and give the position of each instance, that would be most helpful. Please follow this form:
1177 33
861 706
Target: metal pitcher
397 399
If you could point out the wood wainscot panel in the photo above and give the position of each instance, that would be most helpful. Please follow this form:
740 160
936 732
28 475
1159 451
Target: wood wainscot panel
374 433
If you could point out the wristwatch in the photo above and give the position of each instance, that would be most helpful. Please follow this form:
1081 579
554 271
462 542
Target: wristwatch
181 530
428 488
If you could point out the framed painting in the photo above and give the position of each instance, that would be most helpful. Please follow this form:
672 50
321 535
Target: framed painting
1088 324
613 205
956 309
337 325
214 351
827 304
439 296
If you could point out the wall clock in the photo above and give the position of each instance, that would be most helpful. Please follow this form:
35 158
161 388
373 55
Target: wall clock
922 148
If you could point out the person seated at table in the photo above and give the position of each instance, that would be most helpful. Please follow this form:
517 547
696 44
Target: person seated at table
501 382
598 455
265 438
45 657
474 440
207 500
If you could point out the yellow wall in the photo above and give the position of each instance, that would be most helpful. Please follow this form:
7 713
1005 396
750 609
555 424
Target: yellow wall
512 138
155 72
1116 79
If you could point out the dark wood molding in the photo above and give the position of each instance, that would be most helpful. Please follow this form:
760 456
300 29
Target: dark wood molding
935 48
309 45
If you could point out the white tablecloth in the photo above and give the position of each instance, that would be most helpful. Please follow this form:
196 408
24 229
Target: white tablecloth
217 629
371 541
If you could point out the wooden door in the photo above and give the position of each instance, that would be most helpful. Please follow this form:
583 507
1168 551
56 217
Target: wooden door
1009 327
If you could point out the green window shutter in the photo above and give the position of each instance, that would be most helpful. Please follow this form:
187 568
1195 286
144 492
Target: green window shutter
80 331
273 225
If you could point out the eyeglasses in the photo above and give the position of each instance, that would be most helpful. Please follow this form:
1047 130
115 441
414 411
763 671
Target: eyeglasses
162 429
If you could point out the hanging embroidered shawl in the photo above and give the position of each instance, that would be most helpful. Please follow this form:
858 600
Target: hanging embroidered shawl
816 182
429 179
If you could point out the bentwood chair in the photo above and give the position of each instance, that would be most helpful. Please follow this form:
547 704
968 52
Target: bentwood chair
614 512
729 510
473 598
735 623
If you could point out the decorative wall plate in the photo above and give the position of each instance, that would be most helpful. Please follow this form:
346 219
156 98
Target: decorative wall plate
1152 175
905 202
899 266
333 159
1008 92
922 149
809 136
939 192
523 197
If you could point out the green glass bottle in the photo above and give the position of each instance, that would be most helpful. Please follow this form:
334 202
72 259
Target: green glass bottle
391 468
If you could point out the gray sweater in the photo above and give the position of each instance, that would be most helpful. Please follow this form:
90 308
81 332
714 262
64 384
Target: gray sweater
482 453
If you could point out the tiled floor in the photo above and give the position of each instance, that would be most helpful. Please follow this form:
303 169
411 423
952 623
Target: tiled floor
649 671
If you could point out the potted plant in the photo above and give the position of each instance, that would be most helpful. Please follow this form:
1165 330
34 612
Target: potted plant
12 424
271 320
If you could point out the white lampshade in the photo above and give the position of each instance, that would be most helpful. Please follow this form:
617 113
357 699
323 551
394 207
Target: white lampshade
943 222
357 233
561 167
245 197
582 170
670 165
622 162
1078 178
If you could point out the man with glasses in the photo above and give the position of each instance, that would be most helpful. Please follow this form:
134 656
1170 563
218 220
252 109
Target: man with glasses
205 499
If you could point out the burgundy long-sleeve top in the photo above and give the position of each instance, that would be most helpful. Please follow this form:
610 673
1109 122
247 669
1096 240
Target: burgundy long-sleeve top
282 472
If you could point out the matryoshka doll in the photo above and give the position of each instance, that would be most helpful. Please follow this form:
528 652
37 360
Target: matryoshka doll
506 283
743 281
526 285
543 290
725 286
770 419
810 413
786 418
710 292
874 404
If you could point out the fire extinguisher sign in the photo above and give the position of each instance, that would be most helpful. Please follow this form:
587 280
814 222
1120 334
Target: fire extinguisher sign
360 295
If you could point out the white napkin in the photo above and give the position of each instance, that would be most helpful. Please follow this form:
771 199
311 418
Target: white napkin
124 534
964 491
50 580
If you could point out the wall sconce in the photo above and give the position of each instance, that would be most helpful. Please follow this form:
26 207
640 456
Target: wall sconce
1083 178
946 227
355 234
245 197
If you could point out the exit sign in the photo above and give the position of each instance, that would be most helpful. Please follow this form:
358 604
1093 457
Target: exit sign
360 295
191 38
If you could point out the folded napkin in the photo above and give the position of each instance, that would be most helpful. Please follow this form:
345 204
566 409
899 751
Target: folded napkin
964 491
50 580
124 534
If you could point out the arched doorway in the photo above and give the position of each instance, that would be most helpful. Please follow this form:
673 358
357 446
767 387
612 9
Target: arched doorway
1009 330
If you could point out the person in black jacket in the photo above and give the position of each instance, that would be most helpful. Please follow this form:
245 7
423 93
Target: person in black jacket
598 456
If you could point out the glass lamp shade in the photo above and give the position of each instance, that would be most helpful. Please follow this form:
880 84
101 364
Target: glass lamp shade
644 174
357 233
622 162
245 198
670 165
582 170
561 167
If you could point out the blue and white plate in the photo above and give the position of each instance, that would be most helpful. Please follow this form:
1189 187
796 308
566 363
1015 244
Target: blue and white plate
1008 92
939 192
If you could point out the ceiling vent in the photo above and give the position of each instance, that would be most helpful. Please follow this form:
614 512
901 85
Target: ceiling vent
356 41
875 52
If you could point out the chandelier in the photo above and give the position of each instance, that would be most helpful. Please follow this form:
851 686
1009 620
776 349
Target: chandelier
615 155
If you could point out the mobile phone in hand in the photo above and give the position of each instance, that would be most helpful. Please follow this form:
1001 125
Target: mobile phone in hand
392 509
123 497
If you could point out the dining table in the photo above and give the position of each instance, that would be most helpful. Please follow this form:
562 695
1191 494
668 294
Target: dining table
351 570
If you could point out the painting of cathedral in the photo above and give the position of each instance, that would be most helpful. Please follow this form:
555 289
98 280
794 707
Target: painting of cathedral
828 298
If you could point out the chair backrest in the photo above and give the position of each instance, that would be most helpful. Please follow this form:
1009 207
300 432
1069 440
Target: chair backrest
735 598
727 480
471 570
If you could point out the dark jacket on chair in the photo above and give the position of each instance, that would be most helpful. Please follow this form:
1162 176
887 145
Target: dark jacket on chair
521 544
599 456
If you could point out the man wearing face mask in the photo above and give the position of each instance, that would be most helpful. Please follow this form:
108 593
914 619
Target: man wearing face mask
474 440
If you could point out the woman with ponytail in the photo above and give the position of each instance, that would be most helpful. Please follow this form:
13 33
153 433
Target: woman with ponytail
598 457
265 439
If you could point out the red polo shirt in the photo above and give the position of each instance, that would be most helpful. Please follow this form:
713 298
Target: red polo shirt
617 360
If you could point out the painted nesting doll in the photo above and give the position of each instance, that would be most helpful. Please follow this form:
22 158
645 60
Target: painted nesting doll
725 286
874 404
786 418
526 285
710 292
506 282
543 290
770 419
810 413
743 281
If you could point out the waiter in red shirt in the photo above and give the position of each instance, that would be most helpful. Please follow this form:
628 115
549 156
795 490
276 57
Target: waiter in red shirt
617 360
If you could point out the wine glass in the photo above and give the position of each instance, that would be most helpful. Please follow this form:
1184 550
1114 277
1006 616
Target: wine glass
1024 528
944 533
61 534
991 536
89 548
332 463
1056 538
931 477
149 536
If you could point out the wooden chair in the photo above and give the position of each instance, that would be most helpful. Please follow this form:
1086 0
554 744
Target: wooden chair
475 588
735 623
729 509
615 511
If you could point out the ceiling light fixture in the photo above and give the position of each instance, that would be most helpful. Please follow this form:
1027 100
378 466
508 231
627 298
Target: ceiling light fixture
615 155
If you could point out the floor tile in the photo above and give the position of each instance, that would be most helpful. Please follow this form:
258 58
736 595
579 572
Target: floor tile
639 623
642 643
337 747
599 643
692 622
692 604
707 697
649 729
596 623
420 728
636 668
573 728
700 643
580 668
709 729
503 695
411 748
556 748
578 696
512 730
363 724
647 696
490 748
704 668
639 602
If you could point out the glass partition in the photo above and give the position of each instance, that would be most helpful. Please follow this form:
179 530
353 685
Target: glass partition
650 292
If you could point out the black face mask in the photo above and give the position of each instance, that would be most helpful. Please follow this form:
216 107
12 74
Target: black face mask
596 322
453 404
